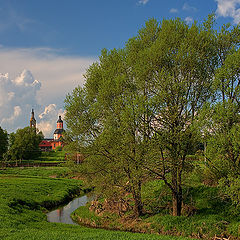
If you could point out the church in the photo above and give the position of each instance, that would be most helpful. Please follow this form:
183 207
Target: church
49 144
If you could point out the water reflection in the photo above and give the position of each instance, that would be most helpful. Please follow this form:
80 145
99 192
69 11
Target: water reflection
62 214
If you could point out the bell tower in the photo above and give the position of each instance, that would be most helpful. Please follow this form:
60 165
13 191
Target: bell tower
59 131
32 121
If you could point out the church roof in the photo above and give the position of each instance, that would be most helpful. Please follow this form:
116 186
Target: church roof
45 143
58 131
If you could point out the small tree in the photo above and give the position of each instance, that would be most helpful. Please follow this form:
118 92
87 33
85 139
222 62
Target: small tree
24 144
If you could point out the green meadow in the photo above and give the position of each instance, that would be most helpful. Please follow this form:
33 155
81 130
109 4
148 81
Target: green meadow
28 193
52 172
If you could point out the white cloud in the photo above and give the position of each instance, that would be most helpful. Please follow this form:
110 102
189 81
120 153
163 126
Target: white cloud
58 74
187 7
188 20
143 2
16 98
26 79
16 113
52 76
173 10
229 8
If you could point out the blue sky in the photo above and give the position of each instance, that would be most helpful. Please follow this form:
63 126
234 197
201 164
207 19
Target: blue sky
85 27
55 41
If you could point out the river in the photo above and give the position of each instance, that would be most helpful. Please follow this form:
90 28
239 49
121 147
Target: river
62 215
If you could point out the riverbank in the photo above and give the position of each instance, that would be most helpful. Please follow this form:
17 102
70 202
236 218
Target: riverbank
207 218
27 194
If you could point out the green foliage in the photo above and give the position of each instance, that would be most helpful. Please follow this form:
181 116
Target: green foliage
156 197
24 144
3 142
104 120
150 109
58 148
136 113
230 188
222 136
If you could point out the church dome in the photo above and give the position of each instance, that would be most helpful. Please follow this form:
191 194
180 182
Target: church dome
58 131
59 120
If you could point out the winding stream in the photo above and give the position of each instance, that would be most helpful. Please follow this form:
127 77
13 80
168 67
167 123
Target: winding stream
62 215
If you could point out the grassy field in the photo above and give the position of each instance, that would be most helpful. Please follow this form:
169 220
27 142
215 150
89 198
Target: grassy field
37 171
45 158
27 193
52 156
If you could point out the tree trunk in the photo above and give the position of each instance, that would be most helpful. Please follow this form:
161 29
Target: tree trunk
138 206
177 197
177 203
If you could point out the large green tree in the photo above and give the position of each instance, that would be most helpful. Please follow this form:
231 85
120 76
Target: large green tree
24 144
136 113
3 142
174 65
104 117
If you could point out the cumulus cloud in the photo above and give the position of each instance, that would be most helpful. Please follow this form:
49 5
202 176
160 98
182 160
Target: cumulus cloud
229 8
48 119
16 113
173 10
50 78
189 20
58 74
17 96
143 2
